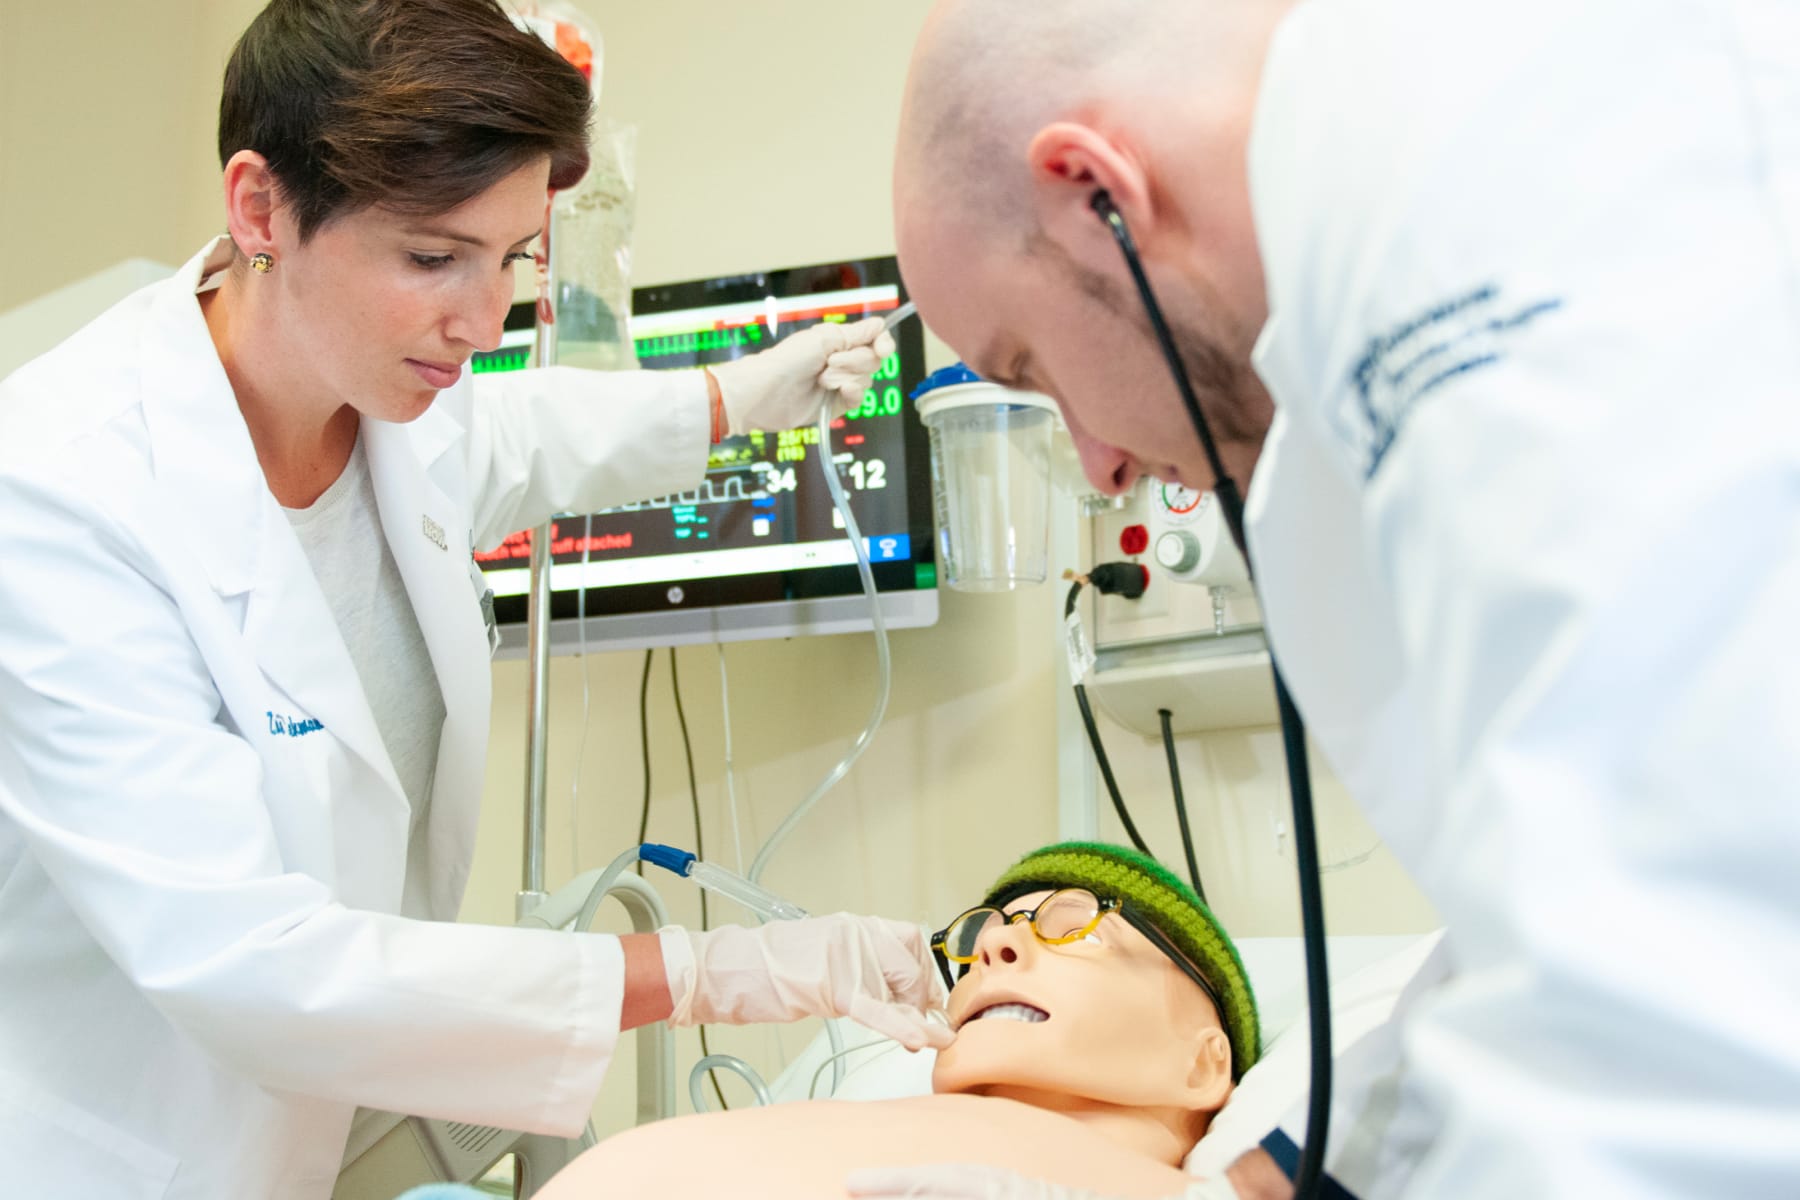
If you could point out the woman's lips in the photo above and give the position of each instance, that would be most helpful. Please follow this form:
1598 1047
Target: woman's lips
437 375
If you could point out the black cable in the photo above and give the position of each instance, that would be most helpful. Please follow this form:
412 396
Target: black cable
644 738
1093 732
687 748
1187 836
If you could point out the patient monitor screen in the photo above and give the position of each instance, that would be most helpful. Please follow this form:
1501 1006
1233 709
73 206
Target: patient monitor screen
761 526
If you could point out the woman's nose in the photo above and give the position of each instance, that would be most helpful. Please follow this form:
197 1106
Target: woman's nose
483 318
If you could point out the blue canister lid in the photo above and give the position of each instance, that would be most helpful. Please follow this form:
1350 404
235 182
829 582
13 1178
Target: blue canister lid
950 376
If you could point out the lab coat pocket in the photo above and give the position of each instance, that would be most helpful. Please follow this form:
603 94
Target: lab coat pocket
52 1148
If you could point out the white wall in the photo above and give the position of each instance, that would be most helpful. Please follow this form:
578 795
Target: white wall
108 110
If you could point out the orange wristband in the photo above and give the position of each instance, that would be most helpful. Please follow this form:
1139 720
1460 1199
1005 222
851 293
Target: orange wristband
718 408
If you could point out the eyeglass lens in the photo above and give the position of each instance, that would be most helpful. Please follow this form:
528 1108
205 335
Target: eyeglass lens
1060 915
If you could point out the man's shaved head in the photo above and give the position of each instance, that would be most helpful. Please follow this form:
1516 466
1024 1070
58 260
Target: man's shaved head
987 74
1016 112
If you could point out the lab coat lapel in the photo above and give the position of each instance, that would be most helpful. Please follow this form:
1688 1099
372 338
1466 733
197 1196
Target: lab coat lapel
297 643
206 465
430 543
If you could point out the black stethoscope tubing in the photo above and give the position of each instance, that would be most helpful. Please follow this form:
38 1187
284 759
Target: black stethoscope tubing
1293 738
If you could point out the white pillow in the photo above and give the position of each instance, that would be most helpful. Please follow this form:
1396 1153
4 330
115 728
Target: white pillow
1367 976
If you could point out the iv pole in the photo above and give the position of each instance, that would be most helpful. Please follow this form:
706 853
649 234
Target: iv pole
537 616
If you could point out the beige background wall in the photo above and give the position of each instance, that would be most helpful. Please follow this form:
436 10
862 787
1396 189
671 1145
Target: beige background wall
764 135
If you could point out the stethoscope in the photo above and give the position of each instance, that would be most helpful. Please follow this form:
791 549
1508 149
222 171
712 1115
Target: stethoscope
1293 737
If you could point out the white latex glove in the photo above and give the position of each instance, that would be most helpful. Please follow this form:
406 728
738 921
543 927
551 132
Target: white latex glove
962 1181
784 386
876 972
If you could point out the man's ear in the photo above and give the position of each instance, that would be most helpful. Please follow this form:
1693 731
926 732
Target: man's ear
250 203
1209 1078
1069 163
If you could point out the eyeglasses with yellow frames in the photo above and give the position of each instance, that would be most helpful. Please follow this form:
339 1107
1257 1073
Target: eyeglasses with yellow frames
1062 917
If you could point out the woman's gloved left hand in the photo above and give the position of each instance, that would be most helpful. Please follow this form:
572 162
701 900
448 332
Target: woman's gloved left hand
874 971
784 386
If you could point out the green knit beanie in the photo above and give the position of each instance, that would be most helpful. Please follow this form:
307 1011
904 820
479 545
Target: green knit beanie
1154 893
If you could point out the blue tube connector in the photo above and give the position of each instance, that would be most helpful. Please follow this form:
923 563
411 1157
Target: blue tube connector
714 878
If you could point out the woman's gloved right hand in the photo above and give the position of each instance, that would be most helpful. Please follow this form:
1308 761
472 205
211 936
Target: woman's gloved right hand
877 972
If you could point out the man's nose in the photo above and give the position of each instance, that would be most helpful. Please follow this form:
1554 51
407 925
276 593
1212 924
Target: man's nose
1109 469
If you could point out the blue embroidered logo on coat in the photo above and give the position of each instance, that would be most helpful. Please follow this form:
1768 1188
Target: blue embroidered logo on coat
1405 364
284 725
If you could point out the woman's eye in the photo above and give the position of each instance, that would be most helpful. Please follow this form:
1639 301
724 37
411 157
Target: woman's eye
430 262
518 256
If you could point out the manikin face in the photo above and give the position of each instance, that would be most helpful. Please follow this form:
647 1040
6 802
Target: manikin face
1120 1025
386 309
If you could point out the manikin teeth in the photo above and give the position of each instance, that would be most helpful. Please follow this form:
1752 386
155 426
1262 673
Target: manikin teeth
1013 1012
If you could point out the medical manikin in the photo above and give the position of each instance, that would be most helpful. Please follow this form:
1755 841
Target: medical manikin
1085 1055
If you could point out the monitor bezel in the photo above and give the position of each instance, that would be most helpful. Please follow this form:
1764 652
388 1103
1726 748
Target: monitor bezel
822 600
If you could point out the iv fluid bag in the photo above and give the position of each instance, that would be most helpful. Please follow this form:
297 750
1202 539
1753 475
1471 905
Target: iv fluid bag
592 248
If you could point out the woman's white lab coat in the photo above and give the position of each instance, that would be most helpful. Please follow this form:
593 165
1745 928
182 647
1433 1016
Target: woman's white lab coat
1527 533
202 839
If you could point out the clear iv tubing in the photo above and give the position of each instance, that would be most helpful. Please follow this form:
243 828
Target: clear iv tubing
767 906
759 900
885 665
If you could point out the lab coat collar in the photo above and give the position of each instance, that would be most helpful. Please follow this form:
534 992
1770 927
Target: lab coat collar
206 465
205 462
201 450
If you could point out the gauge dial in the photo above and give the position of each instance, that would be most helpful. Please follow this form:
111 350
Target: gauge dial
1179 503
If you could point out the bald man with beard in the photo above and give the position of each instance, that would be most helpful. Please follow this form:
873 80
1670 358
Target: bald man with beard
1495 309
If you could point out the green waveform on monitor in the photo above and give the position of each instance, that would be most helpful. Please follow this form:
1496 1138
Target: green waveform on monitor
698 341
513 358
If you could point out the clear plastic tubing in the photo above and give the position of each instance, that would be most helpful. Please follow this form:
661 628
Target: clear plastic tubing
730 884
883 660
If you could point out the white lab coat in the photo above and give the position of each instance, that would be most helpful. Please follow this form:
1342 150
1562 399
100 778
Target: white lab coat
201 969
1527 535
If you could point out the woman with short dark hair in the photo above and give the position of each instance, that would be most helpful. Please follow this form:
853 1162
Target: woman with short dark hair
242 663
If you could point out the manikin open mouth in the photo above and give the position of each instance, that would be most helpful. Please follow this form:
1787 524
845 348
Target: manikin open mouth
1010 1012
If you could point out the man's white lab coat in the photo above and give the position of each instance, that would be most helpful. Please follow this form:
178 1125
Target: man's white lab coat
1527 535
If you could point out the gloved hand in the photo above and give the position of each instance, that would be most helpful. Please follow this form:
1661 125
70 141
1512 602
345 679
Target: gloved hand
874 971
962 1181
784 386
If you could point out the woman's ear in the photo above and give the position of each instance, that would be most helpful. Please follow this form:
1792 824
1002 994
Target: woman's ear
250 203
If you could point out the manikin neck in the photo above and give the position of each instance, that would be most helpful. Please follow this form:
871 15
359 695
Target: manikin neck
1163 1134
